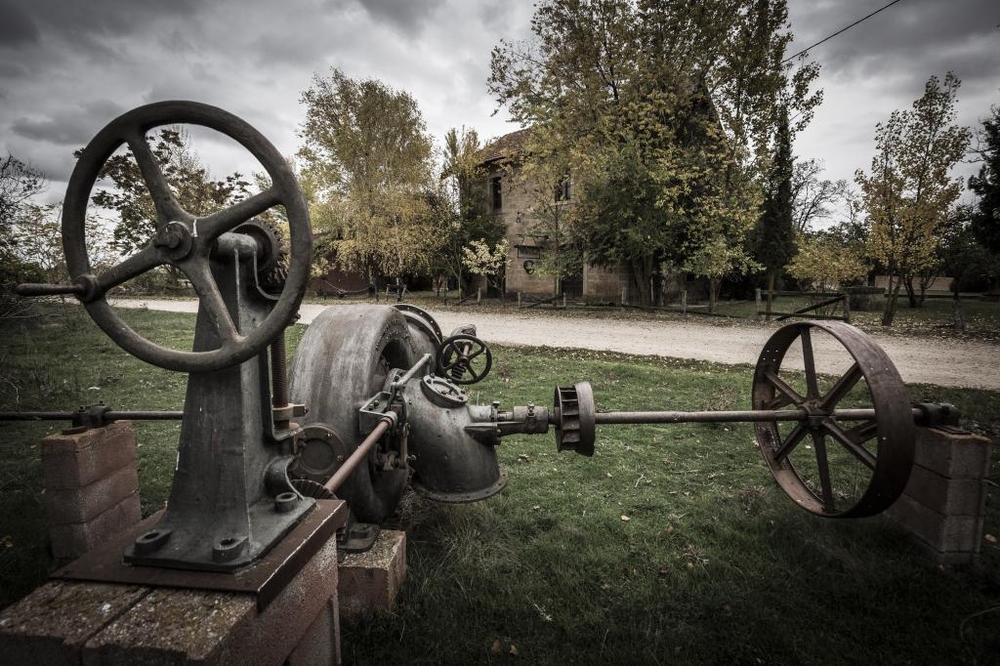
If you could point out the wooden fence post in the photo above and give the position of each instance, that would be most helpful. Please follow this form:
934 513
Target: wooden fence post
847 307
684 302
757 299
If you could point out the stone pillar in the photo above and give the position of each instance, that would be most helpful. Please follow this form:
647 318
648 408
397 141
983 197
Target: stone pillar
943 505
91 487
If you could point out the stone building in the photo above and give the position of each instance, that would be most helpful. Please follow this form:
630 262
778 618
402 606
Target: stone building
518 202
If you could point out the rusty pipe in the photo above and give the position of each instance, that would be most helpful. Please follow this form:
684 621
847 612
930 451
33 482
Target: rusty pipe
345 470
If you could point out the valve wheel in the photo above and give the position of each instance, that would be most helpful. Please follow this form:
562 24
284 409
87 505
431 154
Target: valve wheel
464 359
183 240
831 468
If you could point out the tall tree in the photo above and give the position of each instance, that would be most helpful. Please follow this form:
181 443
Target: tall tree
367 155
986 184
460 204
775 236
653 86
908 193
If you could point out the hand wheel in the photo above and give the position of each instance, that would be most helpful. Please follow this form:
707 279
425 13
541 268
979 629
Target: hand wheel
456 359
183 240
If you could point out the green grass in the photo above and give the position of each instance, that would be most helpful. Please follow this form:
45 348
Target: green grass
713 565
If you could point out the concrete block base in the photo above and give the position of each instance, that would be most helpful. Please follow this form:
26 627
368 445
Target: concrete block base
82 622
943 505
91 487
371 581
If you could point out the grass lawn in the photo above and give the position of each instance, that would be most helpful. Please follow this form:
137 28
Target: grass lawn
671 545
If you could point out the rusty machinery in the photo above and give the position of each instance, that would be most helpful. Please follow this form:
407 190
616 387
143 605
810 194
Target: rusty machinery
374 398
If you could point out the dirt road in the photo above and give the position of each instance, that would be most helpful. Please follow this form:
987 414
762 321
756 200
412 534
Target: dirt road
919 360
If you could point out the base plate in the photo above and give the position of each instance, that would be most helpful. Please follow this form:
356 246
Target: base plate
264 578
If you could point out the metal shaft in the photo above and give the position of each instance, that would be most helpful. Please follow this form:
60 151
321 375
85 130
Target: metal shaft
747 416
107 416
359 454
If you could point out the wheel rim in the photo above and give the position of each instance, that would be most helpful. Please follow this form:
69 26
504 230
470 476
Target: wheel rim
130 128
830 468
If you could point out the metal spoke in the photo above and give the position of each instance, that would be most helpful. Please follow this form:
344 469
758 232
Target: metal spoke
858 451
812 388
140 262
862 433
842 387
824 470
797 435
216 224
167 208
208 292
778 383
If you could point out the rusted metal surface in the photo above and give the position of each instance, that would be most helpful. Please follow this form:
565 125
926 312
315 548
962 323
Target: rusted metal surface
184 240
880 448
344 359
364 448
266 578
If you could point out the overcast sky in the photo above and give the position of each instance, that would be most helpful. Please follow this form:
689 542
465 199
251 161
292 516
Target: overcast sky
67 67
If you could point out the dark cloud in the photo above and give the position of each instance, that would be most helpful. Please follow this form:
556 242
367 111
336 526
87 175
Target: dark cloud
105 17
408 17
69 126
910 40
16 27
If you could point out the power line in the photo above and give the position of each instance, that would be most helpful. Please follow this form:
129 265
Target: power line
842 30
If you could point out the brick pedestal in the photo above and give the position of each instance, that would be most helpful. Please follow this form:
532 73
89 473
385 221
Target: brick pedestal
370 581
944 502
91 487
99 623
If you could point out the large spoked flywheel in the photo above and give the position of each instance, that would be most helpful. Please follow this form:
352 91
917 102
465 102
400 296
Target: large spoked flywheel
850 454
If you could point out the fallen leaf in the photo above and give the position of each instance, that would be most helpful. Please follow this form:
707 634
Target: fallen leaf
513 649
990 538
605 586
625 519
496 646
664 571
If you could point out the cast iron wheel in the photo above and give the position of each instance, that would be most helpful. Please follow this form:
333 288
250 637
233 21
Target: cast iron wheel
457 359
835 469
343 360
182 240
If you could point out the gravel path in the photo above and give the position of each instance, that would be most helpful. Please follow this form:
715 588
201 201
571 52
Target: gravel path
919 360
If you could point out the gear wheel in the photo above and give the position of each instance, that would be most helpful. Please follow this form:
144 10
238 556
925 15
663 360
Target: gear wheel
272 262
309 488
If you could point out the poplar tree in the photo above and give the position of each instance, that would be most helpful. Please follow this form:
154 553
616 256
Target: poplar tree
908 193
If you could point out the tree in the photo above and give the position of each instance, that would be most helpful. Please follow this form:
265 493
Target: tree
986 184
830 258
459 205
190 181
486 262
367 157
652 86
19 182
775 237
812 197
908 193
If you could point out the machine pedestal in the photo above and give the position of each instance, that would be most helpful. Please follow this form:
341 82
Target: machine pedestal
284 609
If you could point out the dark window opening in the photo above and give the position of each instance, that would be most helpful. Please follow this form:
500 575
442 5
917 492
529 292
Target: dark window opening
496 194
563 190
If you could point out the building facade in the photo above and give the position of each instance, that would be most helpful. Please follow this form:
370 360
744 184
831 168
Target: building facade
521 205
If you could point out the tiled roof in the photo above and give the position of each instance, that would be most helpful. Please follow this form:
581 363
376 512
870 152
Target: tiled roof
506 147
